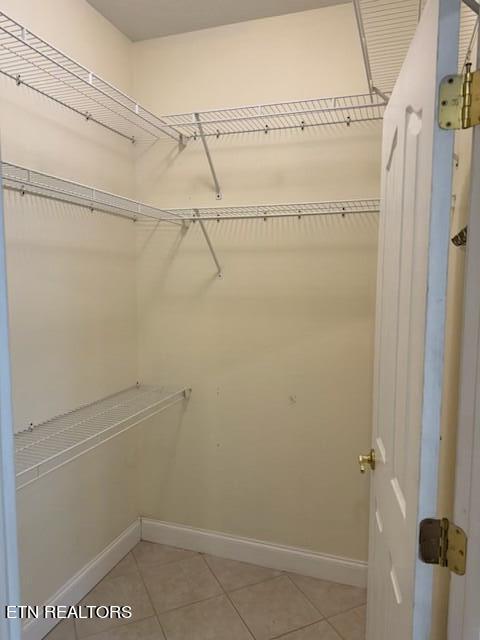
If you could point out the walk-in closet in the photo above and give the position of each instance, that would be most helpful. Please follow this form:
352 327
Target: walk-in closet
191 201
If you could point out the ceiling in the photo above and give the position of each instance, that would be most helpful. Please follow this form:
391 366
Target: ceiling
143 19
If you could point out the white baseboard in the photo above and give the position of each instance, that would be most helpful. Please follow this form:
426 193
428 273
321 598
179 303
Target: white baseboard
84 581
274 556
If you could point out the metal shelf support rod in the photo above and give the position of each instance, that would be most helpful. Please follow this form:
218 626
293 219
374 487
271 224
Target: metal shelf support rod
218 193
473 5
363 42
209 242
381 94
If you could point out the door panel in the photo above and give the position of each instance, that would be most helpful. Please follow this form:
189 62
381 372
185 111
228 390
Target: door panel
411 291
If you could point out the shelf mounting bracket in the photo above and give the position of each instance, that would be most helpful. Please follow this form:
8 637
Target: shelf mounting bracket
218 192
209 242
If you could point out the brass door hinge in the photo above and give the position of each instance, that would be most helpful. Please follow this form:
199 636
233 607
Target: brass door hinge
442 542
459 100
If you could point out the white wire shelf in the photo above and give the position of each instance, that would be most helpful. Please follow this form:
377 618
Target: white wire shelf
292 210
301 114
27 181
387 28
50 445
22 180
468 33
31 61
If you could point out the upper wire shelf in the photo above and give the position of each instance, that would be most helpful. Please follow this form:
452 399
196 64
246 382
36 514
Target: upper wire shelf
31 61
386 30
48 446
300 114
41 184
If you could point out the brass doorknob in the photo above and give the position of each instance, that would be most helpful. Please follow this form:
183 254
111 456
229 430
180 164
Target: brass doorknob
368 459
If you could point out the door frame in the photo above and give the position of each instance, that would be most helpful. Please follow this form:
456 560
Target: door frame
10 629
467 473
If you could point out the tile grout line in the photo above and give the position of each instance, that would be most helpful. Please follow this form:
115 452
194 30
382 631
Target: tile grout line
305 595
307 626
306 598
188 604
155 614
230 600
357 606
340 635
99 633
182 606
250 584
312 624
106 578
341 613
194 553
108 630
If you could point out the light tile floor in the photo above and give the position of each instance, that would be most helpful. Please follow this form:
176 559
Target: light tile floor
182 595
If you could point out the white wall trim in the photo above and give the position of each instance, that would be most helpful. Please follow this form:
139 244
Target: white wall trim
267 554
82 582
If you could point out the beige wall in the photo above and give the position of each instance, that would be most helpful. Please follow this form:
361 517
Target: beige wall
278 352
68 517
71 277
71 274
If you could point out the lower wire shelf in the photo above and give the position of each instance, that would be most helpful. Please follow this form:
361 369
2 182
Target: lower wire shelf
50 445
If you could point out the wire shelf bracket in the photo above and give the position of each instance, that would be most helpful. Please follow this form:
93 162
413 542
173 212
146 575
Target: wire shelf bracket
43 448
209 242
218 192
363 44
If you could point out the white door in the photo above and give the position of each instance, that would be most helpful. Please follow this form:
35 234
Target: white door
411 292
